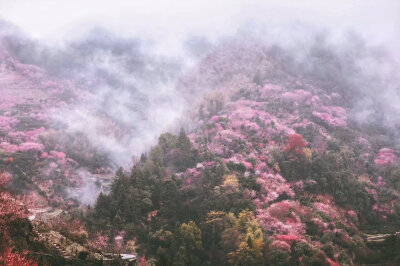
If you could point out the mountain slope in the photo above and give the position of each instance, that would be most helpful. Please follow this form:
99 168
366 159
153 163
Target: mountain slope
275 171
275 167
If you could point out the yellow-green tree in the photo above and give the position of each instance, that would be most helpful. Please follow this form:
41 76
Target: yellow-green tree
249 250
190 246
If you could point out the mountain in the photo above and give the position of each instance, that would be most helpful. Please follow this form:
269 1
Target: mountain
275 170
272 166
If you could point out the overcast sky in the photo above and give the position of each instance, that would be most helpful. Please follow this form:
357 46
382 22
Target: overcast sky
171 21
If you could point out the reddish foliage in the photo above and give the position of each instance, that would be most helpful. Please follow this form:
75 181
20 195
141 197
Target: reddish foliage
11 258
101 241
11 210
74 229
278 244
331 262
248 165
296 144
143 261
288 238
4 177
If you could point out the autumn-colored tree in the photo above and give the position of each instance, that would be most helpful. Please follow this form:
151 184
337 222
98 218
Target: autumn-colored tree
230 183
11 258
250 249
215 223
296 144
246 255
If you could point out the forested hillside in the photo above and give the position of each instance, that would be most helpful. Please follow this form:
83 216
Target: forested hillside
275 162
274 172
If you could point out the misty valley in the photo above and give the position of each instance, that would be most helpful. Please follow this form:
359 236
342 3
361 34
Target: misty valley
244 151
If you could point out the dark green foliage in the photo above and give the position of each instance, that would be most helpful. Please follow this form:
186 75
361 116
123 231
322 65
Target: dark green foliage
334 173
344 258
278 257
300 250
165 213
236 167
329 250
319 259
23 170
188 219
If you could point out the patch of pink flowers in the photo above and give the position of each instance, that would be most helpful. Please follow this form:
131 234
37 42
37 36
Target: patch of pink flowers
325 209
386 156
24 147
330 119
298 96
283 218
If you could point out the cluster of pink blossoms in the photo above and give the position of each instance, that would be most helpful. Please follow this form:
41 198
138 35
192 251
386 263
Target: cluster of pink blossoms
385 157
